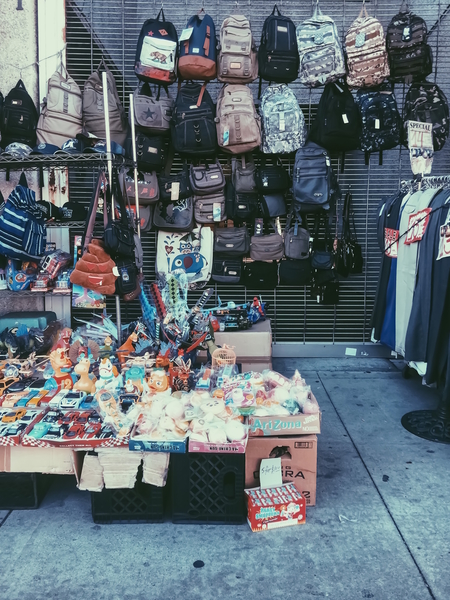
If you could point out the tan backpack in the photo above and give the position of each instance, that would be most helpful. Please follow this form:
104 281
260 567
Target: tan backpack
238 123
238 59
367 58
60 119
93 111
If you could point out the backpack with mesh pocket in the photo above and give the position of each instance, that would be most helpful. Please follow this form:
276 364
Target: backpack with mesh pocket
283 123
320 50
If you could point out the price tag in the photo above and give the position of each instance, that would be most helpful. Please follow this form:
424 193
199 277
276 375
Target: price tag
226 137
175 191
217 211
444 242
282 126
186 34
377 123
345 119
270 473
391 242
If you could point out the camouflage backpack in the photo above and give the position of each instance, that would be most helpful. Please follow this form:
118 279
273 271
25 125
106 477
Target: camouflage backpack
320 50
365 45
283 123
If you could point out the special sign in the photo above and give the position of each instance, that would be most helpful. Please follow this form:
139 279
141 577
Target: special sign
417 225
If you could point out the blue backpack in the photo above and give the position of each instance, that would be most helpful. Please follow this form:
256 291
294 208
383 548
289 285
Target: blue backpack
22 226
197 59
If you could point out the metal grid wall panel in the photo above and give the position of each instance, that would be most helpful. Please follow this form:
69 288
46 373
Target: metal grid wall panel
111 28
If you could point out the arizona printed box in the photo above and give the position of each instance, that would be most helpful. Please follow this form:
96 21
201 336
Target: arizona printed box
284 425
272 508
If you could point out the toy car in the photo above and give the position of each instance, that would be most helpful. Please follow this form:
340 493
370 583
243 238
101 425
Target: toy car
38 384
31 414
72 399
25 399
88 402
13 416
54 433
7 382
127 400
15 429
36 400
55 402
68 418
106 433
21 384
39 430
76 431
92 430
10 400
52 416
83 418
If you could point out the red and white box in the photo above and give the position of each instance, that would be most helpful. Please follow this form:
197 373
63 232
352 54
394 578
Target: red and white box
271 508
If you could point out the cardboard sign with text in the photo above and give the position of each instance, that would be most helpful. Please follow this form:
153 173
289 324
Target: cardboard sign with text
417 225
420 144
298 456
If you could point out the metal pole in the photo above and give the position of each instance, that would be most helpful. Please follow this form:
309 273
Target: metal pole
110 173
136 174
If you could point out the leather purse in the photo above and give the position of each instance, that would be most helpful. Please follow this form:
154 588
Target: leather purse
243 175
267 247
206 179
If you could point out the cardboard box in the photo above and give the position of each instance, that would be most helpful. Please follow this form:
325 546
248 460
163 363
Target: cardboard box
281 425
298 462
272 508
56 461
175 447
230 448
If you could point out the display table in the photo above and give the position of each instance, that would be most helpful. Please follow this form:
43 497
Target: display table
253 346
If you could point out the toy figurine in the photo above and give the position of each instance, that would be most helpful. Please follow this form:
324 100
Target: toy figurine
85 383
63 339
59 361
109 378
158 381
126 348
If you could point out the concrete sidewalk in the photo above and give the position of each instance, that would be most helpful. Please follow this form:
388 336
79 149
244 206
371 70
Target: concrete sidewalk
380 530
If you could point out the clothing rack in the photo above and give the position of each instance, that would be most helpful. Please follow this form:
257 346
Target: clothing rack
422 183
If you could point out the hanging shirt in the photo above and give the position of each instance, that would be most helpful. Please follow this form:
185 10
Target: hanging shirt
415 210
387 336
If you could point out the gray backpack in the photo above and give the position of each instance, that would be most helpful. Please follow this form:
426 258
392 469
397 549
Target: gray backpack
238 58
283 123
238 123
320 50
61 115
93 111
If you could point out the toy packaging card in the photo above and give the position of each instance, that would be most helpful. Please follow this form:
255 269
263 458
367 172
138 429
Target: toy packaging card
275 507
14 423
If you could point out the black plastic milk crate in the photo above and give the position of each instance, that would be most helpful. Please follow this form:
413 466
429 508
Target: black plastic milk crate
22 490
207 488
142 504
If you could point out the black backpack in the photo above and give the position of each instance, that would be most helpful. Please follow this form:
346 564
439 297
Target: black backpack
410 57
157 51
312 179
337 126
381 122
427 103
20 117
278 58
193 128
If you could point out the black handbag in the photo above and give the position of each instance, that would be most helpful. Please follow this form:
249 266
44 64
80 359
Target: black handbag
245 206
272 179
226 269
127 280
206 179
261 275
232 241
325 293
119 234
175 216
296 238
295 272
349 257
273 205
175 185
243 173
322 258
150 151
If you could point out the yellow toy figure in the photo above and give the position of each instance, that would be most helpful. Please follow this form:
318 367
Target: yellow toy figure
85 383
158 381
